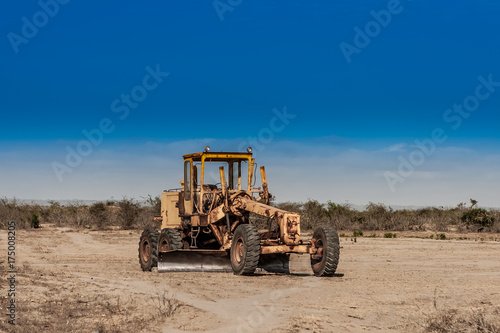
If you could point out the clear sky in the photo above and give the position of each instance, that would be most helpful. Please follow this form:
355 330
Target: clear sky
385 101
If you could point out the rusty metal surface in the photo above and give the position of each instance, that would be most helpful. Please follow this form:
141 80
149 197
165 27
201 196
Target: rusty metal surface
265 191
216 215
285 249
289 222
170 210
214 156
217 233
217 211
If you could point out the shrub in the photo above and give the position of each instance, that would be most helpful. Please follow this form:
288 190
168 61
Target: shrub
12 210
164 304
99 214
389 235
357 233
290 206
358 219
35 222
455 320
154 203
478 216
333 209
128 213
313 214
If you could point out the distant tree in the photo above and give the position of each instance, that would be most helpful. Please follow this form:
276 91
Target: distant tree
154 202
478 216
473 203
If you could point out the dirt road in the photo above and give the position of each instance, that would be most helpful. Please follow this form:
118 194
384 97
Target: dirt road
90 281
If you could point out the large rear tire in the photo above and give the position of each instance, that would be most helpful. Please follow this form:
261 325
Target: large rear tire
324 262
148 249
245 250
170 239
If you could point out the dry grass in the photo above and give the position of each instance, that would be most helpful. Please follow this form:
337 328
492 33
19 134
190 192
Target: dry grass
453 320
163 304
381 217
46 307
128 214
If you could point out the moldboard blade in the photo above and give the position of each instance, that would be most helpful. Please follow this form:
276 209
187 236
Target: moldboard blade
194 261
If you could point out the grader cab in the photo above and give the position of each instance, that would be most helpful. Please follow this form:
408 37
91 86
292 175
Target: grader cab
206 224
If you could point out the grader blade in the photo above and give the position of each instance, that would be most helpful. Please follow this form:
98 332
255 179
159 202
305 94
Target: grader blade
194 261
275 263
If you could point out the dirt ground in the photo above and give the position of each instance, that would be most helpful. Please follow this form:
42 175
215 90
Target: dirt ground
90 281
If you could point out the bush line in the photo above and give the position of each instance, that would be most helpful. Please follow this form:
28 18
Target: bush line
129 214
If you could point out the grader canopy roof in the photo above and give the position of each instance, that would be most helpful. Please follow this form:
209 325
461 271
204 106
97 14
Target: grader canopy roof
218 157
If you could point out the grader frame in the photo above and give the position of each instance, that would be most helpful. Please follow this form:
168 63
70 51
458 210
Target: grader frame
206 227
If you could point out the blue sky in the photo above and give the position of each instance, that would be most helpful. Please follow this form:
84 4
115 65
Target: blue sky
353 118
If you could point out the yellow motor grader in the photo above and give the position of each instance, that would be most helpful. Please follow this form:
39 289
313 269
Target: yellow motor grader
206 224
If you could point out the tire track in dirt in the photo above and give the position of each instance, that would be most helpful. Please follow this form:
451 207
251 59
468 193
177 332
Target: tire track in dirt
263 311
390 285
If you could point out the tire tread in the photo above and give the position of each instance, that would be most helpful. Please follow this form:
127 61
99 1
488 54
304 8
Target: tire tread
252 241
332 251
153 236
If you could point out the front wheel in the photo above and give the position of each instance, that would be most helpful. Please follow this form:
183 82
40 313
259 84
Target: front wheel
170 239
148 249
326 257
245 249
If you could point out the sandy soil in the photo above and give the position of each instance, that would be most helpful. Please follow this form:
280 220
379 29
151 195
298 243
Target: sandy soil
90 281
